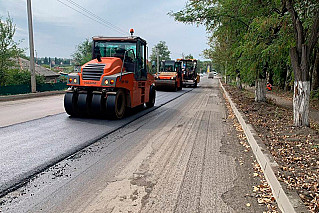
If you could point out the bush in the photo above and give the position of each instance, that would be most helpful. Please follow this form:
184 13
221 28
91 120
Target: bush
314 94
19 77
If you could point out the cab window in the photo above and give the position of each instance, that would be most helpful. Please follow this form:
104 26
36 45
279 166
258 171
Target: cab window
141 72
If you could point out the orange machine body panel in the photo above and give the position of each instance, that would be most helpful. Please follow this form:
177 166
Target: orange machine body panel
169 76
112 66
138 90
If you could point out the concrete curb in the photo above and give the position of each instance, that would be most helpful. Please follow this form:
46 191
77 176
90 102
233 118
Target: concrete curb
29 95
288 202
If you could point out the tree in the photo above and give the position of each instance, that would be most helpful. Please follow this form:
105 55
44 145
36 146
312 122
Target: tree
305 22
46 60
263 40
189 56
163 51
228 21
202 65
9 50
83 53
20 77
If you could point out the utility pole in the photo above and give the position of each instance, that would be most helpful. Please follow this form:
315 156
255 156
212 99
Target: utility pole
158 66
36 56
31 44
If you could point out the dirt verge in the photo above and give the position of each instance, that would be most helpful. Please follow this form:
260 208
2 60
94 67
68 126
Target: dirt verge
294 149
250 186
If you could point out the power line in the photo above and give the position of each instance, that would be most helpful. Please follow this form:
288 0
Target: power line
98 21
96 16
94 19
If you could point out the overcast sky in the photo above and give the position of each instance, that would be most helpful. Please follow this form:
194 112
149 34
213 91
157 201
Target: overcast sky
58 29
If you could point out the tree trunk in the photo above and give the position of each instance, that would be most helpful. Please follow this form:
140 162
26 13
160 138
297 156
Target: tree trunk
301 86
287 81
300 55
260 92
315 74
301 103
238 82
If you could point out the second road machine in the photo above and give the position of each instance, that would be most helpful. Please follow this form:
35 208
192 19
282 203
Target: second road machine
170 76
115 79
190 76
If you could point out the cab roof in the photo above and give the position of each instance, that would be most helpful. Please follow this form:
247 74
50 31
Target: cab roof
183 59
129 39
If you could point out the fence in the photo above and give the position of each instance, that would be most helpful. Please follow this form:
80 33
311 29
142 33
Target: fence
23 89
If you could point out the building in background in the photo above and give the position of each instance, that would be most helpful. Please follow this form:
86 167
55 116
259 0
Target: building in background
50 76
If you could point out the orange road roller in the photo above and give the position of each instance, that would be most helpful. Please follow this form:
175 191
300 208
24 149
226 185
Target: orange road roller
170 76
115 80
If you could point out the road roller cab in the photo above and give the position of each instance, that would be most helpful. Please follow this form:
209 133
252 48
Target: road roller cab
190 75
170 76
115 79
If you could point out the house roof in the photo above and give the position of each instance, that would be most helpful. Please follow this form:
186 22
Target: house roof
39 70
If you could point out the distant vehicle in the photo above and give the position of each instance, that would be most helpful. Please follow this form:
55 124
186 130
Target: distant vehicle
211 75
170 76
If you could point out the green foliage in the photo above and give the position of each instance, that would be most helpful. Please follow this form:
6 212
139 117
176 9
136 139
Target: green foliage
202 66
19 77
8 47
189 57
247 36
314 94
83 53
163 51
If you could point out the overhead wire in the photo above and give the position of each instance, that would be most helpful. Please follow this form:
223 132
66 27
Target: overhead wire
95 18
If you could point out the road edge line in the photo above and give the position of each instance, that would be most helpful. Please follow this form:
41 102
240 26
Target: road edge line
288 202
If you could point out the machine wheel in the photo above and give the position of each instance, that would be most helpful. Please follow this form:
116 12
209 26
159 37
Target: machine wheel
151 101
175 87
83 102
70 99
180 85
116 105
97 107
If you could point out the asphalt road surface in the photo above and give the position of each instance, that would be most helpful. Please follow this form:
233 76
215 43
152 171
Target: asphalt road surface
31 146
170 159
13 112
